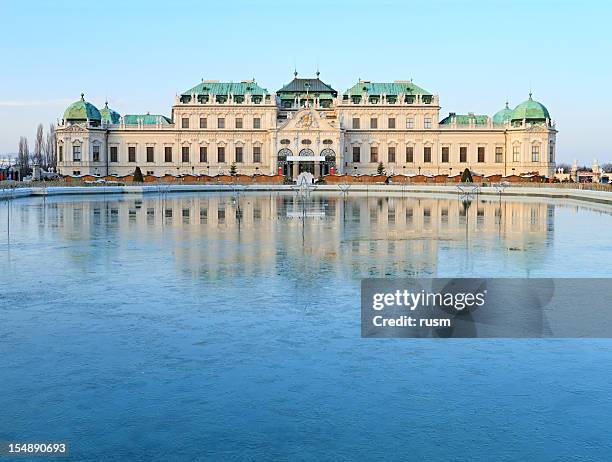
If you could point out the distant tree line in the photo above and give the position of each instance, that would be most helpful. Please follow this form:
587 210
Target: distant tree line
44 153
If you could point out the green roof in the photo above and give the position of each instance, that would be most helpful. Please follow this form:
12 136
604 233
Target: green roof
504 116
219 88
108 115
387 88
530 110
465 119
81 110
147 119
310 85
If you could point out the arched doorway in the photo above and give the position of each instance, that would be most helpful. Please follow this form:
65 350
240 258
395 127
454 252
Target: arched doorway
330 161
307 166
282 161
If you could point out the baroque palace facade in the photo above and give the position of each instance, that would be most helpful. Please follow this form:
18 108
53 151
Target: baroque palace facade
306 126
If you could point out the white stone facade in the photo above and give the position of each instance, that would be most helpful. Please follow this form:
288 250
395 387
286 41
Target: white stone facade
344 137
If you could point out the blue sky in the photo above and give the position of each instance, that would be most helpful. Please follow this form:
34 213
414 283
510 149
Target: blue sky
475 55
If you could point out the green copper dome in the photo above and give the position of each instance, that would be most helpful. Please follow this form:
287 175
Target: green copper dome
504 116
530 110
108 115
82 111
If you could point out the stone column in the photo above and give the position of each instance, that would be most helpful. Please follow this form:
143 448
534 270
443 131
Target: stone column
294 171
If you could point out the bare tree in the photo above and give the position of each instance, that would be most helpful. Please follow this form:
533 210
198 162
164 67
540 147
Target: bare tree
50 157
38 146
23 157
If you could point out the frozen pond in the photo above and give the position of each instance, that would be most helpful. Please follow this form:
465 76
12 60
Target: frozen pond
220 326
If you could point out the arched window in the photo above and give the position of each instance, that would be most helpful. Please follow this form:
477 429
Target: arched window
283 154
306 152
329 154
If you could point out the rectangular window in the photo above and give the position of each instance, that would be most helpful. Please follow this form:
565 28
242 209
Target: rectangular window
221 122
256 123
238 122
427 154
355 123
203 122
445 153
356 154
551 151
463 154
257 154
168 153
391 123
113 154
150 154
516 154
427 123
76 153
499 154
185 122
374 154
239 154
221 154
535 153
409 154
61 153
131 153
481 154
373 123
96 153
391 154
203 154
410 123
185 153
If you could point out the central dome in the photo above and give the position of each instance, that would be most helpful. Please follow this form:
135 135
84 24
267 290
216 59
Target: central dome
81 111
530 110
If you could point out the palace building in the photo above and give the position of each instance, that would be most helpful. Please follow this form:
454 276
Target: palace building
306 126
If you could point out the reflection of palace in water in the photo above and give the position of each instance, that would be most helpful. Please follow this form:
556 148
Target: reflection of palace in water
359 235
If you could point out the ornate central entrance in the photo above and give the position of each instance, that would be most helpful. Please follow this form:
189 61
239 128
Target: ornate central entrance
307 161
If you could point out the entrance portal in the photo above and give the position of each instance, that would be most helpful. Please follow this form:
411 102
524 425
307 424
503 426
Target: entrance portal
307 167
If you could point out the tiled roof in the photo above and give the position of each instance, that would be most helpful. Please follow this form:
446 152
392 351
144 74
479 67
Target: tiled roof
226 88
387 88
300 86
465 119
147 119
